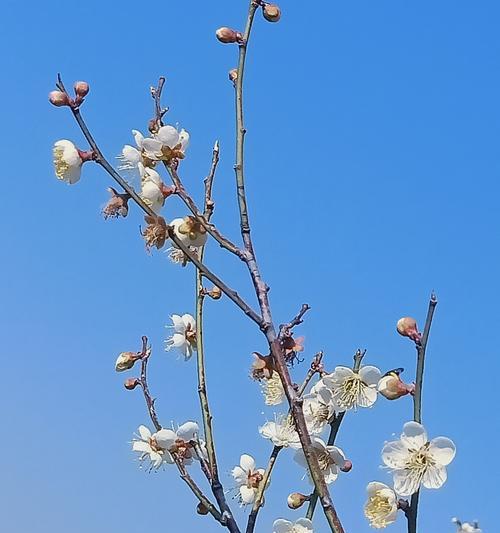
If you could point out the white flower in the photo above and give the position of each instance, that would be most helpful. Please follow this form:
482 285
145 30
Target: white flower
302 525
67 161
184 336
179 442
153 447
166 144
248 479
330 458
281 432
273 390
466 527
317 412
189 231
151 191
414 460
352 389
132 156
381 508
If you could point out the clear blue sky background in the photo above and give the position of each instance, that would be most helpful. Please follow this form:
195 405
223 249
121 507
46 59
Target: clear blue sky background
373 178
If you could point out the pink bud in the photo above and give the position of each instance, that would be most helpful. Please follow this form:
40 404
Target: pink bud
407 327
233 75
59 99
271 12
347 466
228 35
81 88
131 383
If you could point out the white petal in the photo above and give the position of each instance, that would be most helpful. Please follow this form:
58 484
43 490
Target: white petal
395 454
178 323
184 139
375 486
131 154
239 475
306 524
341 373
138 137
367 396
141 446
405 484
165 438
331 474
178 341
370 375
282 526
337 455
300 458
247 463
434 477
152 147
247 494
189 321
144 433
188 431
414 435
168 136
151 174
442 450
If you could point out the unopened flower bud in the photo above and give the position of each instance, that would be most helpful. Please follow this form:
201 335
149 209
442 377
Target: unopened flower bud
81 88
233 75
125 361
392 387
296 500
59 99
215 293
271 12
347 466
131 383
407 327
228 35
201 509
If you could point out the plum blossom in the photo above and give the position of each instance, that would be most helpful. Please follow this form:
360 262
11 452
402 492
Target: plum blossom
184 336
179 442
273 390
302 525
352 389
381 508
317 411
151 189
133 157
414 460
281 432
331 459
153 447
67 161
167 144
189 231
466 527
248 479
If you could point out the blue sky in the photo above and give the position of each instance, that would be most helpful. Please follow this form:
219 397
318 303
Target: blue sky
373 133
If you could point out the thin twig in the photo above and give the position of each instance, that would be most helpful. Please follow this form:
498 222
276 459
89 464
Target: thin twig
296 320
259 498
334 429
261 290
421 346
143 381
101 160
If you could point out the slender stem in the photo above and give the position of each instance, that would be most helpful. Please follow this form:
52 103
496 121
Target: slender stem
101 160
334 429
150 402
421 346
259 498
261 290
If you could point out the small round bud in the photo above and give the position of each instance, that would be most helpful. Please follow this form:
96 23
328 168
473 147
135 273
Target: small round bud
392 387
271 12
296 500
201 509
125 361
228 35
59 99
407 327
81 88
347 466
131 383
215 293
233 75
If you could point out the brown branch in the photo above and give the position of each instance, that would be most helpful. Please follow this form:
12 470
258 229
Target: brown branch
259 498
334 429
143 382
296 320
261 290
100 159
421 346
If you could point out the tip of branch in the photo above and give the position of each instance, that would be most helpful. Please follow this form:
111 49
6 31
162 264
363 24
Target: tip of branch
216 146
433 298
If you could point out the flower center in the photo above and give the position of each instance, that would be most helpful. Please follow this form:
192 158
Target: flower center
154 446
419 461
61 166
325 460
349 392
254 480
377 509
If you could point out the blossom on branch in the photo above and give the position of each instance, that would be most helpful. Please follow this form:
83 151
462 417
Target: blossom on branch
281 432
331 460
352 389
302 525
67 161
152 447
152 190
317 412
180 442
167 144
189 231
381 508
466 527
248 479
184 336
133 157
414 460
